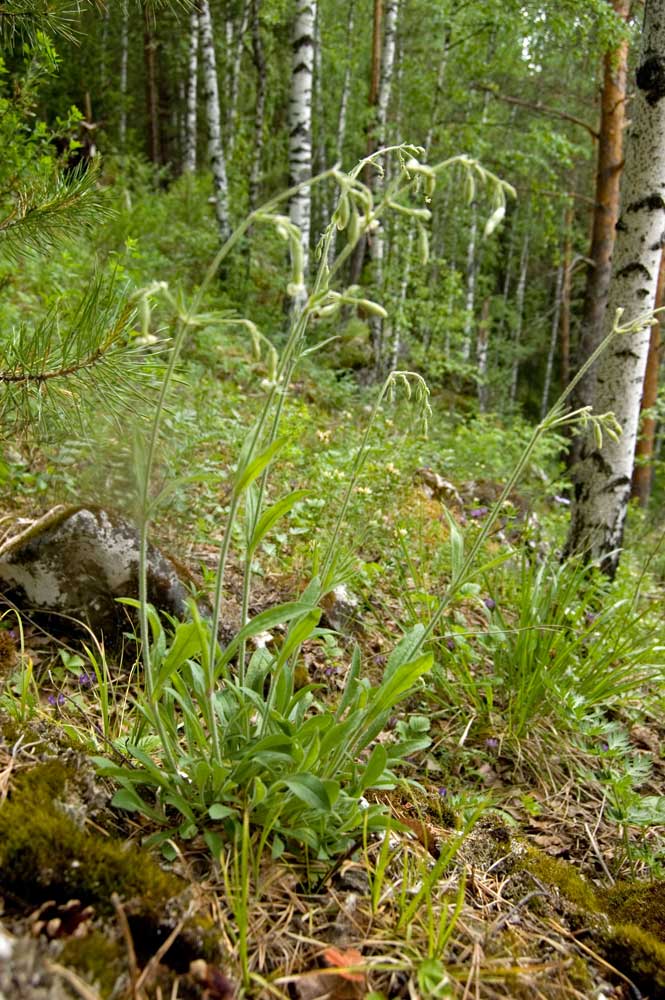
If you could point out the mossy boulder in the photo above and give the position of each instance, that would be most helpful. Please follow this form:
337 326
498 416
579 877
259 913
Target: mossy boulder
76 562
47 853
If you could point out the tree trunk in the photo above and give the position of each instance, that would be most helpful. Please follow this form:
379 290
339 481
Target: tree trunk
471 274
482 351
519 305
232 116
259 113
124 59
346 85
644 449
300 122
358 257
377 239
211 98
554 334
566 294
603 477
151 93
606 212
192 95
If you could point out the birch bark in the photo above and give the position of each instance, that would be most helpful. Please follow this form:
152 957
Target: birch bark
377 240
346 85
259 113
151 94
234 90
519 305
124 59
211 98
300 120
644 448
603 476
554 336
606 211
192 85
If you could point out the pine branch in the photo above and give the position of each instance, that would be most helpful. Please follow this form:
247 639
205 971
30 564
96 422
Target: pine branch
26 18
40 217
72 367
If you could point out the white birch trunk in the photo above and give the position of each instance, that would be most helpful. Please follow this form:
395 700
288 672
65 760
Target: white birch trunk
211 98
191 101
377 241
105 40
482 354
232 117
300 121
519 305
554 336
407 261
346 85
124 58
343 107
603 476
259 113
471 273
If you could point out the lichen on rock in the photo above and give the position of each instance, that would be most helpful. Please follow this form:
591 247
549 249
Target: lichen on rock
77 561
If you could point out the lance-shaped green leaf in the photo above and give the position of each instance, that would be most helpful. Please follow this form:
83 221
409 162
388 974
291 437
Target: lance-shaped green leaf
246 474
271 516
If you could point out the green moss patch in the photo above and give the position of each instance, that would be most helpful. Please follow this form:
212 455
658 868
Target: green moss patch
564 877
46 853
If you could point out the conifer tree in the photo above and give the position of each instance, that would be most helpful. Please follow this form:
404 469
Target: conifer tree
75 356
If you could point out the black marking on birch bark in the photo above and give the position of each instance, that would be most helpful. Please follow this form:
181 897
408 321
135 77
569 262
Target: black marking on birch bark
632 268
650 79
652 203
620 227
303 40
620 485
597 459
626 354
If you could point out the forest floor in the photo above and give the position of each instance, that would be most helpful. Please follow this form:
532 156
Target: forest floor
524 856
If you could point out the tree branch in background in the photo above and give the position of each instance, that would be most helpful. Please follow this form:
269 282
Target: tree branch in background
537 107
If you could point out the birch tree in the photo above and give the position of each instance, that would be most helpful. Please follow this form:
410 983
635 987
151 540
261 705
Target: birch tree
603 475
213 115
259 113
234 87
377 239
606 208
124 59
300 119
192 86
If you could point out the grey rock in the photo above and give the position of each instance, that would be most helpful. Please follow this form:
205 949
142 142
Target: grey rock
76 561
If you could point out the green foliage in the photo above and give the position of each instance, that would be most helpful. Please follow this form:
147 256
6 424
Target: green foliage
296 767
552 656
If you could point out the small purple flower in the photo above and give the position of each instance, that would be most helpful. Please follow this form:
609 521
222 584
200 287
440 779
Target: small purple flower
489 603
450 644
604 747
329 671
13 634
54 699
590 617
85 680
491 743
479 512
443 791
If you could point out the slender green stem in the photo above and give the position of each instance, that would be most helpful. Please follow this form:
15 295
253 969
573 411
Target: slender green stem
555 418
